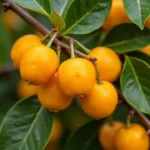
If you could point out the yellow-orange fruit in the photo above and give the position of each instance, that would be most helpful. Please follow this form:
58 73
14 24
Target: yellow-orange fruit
108 63
51 96
147 23
76 76
25 90
21 46
116 16
133 138
12 20
57 130
101 101
38 65
107 134
146 50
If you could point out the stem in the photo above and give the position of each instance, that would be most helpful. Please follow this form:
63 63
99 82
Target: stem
72 51
46 36
72 48
128 123
86 50
99 80
51 40
59 53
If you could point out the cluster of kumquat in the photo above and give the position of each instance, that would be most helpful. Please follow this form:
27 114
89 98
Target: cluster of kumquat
56 86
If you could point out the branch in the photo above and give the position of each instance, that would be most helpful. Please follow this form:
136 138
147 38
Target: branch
8 4
7 69
140 115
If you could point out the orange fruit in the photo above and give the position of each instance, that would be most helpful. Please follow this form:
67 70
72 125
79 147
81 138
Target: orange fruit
101 101
116 16
133 138
57 130
108 63
147 23
12 20
51 96
38 65
107 134
21 46
76 76
25 89
146 50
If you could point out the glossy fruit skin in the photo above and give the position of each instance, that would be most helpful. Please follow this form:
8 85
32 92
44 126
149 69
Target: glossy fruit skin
108 63
25 90
133 138
107 134
51 96
116 16
21 46
76 76
146 50
38 65
101 100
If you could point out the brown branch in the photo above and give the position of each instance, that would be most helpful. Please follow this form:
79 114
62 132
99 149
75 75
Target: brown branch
39 27
7 69
8 4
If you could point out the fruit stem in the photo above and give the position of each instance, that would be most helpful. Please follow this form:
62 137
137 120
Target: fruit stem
86 50
59 52
128 123
72 48
46 36
99 80
51 40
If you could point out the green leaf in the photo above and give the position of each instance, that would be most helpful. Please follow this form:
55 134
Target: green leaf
86 137
138 11
61 6
57 21
86 16
126 38
27 125
135 83
141 56
40 6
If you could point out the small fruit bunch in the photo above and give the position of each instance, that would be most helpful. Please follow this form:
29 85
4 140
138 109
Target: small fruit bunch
115 135
57 85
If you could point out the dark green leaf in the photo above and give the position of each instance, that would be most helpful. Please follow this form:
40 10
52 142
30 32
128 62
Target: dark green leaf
86 16
7 93
141 55
138 11
40 6
61 6
135 83
57 21
126 38
86 137
27 125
